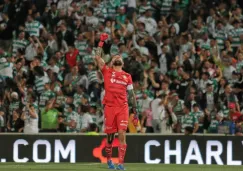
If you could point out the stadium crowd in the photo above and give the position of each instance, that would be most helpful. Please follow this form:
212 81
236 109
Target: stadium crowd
185 58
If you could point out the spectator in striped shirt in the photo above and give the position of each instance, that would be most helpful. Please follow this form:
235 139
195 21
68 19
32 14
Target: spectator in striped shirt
98 10
143 6
110 6
6 68
46 96
234 35
81 44
72 119
94 87
41 78
20 43
34 27
220 35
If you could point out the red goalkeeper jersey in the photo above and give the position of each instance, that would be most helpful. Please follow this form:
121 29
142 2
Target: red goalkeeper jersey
116 85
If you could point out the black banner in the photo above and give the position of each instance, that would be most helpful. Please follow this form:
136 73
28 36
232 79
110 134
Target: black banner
43 148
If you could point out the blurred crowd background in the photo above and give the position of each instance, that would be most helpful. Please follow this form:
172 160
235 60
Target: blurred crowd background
185 58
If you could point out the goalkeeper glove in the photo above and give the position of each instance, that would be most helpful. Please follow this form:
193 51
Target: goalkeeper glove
103 38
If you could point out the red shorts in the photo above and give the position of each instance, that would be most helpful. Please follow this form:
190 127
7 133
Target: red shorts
116 118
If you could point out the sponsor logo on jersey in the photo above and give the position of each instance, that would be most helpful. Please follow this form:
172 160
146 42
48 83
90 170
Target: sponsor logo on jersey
118 81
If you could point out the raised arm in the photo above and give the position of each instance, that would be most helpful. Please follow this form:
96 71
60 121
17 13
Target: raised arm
98 54
100 62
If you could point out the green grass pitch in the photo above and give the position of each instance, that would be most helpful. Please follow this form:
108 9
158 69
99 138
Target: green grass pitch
101 167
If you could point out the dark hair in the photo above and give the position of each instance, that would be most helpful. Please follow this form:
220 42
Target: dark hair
72 106
226 85
162 46
93 127
189 129
165 38
38 57
219 22
84 108
53 3
188 106
185 37
140 39
82 71
21 51
91 9
18 60
39 71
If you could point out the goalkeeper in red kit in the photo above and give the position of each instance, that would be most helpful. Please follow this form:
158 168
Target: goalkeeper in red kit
116 111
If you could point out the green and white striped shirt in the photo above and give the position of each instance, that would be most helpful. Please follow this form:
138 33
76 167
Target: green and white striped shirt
74 116
166 7
87 59
198 114
40 83
13 106
104 10
6 69
19 44
100 12
77 99
114 50
60 100
239 65
220 37
213 127
235 34
110 6
188 120
82 47
33 28
142 8
123 3
92 77
60 64
45 97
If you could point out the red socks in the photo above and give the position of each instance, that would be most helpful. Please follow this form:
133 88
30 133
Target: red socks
108 150
121 153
